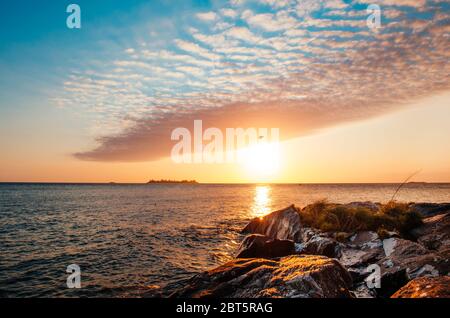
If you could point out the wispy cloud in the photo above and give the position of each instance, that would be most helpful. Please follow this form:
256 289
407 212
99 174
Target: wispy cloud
207 16
297 65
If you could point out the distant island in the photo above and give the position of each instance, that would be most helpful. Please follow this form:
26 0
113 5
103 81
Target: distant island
173 181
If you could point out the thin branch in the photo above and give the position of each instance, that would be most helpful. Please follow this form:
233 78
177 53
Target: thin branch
403 183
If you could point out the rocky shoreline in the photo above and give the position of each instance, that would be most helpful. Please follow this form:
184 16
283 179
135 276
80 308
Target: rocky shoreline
281 256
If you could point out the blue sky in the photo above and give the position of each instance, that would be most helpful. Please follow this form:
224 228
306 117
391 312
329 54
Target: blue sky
35 41
137 69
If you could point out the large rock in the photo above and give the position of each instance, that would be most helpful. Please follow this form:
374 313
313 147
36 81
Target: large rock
434 234
362 249
300 276
365 240
282 224
425 287
430 209
352 257
320 245
257 245
307 233
413 257
390 281
362 291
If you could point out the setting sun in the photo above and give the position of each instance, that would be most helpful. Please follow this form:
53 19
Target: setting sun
225 149
261 159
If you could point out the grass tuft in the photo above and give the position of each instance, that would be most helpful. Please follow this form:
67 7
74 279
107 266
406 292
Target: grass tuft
392 216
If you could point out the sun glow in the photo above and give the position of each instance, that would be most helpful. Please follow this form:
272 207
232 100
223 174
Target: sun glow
261 201
261 159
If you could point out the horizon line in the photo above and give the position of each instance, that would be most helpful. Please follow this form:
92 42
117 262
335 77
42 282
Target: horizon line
216 183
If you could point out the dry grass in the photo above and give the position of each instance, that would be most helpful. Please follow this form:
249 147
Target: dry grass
391 216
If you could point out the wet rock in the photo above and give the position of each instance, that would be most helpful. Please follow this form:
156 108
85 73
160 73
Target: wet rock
434 234
425 287
282 224
300 276
430 209
261 246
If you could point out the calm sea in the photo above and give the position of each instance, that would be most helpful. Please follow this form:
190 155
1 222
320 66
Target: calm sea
127 237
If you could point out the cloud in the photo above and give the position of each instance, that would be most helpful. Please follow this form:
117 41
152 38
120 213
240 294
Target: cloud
408 3
277 3
207 16
244 34
230 13
270 22
196 49
298 69
335 4
237 3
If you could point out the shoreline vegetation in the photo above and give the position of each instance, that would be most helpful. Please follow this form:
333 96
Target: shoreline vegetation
392 216
329 250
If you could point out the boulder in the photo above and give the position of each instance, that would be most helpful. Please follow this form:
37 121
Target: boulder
365 240
307 233
282 224
425 287
353 257
430 209
319 245
358 274
299 276
362 291
363 248
261 246
390 282
434 234
413 257
400 248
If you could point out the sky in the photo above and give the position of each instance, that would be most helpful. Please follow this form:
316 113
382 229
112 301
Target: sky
353 103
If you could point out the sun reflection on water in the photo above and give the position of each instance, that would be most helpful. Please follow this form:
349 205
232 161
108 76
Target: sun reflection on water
261 201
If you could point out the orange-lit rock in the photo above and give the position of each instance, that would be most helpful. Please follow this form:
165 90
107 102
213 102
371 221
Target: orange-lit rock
282 224
303 276
425 287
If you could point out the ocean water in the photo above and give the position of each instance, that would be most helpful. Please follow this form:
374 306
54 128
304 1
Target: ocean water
128 237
